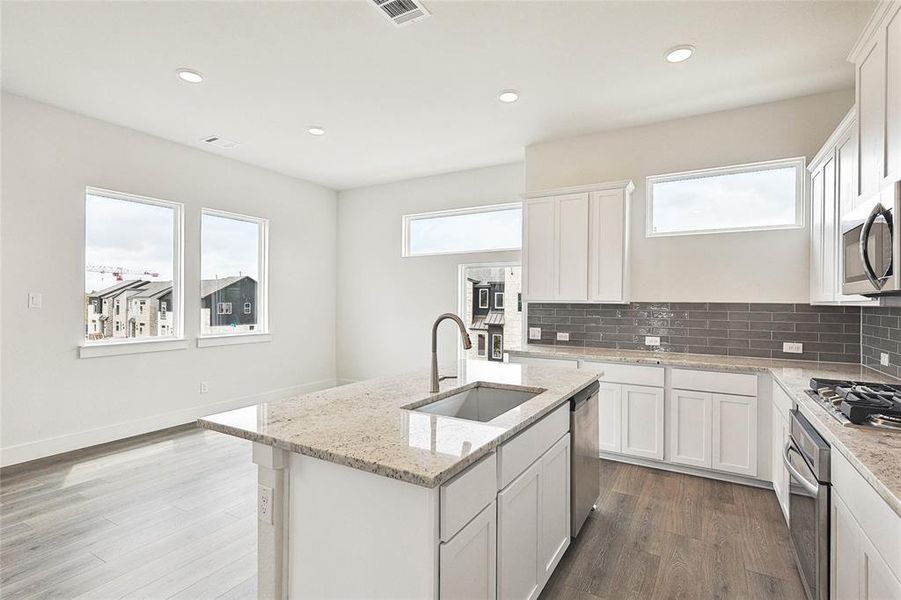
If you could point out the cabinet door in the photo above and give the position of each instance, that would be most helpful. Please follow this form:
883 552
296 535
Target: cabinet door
844 550
780 473
553 536
735 434
518 524
539 250
572 247
608 250
816 236
877 582
893 95
871 116
689 428
642 421
830 236
468 561
609 417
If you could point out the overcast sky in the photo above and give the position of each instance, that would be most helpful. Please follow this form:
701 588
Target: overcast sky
139 237
476 231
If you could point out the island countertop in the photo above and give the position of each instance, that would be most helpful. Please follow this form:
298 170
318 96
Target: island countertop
366 426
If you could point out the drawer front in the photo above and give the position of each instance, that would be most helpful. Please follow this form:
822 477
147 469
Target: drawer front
544 362
630 374
781 400
876 518
515 455
464 496
712 381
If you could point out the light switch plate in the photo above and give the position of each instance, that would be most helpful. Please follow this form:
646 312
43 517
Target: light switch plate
793 347
651 340
562 336
35 299
534 333
883 359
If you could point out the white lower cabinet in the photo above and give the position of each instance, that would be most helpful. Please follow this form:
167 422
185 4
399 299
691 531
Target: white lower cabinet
469 560
877 582
610 417
689 428
642 421
734 434
780 473
553 538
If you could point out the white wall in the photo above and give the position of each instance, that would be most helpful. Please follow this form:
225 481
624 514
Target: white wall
747 267
387 303
53 401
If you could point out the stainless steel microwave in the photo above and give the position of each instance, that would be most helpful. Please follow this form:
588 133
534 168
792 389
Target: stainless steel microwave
870 248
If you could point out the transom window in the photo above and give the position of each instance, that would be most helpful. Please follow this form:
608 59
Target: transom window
750 197
479 229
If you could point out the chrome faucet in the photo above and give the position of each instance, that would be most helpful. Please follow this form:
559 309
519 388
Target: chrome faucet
466 344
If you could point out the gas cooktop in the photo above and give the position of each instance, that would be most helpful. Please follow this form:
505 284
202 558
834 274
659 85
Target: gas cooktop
859 402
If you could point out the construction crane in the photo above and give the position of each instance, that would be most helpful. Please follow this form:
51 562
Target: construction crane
119 272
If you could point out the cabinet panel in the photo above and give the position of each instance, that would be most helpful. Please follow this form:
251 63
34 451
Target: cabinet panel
735 434
555 494
610 417
876 579
518 514
572 247
780 473
468 562
689 428
816 236
844 550
642 421
539 250
608 218
893 95
830 233
871 117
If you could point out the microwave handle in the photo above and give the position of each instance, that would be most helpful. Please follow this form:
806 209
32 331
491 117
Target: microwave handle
878 210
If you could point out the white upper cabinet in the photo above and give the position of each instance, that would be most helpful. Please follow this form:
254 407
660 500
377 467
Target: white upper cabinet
877 62
575 244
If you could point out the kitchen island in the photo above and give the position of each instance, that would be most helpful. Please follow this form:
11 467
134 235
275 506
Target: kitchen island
362 494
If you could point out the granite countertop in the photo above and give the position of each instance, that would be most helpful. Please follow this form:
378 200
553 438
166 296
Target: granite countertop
365 425
876 454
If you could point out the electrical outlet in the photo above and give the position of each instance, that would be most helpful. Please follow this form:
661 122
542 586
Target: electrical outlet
883 359
651 340
35 299
562 336
793 347
264 503
204 387
534 333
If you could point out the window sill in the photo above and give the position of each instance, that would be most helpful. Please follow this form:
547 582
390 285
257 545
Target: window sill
234 338
119 348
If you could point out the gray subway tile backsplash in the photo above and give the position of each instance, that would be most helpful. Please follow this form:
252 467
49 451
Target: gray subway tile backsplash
880 333
830 333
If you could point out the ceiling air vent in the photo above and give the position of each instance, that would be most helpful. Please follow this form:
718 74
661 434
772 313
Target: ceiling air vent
402 12
221 142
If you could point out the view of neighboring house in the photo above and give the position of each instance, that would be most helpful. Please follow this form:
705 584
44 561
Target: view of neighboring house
228 304
140 308
493 311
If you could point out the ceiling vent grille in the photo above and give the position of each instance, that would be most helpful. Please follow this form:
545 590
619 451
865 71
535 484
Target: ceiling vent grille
221 142
402 12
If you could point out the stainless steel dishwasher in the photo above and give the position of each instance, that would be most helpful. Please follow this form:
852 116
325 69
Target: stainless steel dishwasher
585 475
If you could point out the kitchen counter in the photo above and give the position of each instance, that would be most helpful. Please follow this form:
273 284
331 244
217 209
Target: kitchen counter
365 425
876 454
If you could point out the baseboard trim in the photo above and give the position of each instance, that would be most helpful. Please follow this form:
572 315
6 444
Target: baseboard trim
684 470
13 455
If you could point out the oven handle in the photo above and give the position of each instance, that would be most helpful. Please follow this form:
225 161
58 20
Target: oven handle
810 487
878 210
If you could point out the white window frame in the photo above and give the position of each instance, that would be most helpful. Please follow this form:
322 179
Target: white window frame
223 308
407 219
798 163
486 293
261 332
501 304
175 341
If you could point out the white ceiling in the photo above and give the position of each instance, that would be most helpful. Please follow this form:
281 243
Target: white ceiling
417 100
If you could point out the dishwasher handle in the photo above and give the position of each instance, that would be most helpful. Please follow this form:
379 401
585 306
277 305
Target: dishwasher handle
580 398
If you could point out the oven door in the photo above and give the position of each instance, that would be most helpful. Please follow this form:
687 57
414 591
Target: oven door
869 246
808 523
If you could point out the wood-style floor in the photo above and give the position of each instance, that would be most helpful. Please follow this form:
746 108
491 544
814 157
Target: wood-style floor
665 535
173 516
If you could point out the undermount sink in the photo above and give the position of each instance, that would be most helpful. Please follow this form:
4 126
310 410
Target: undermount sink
479 403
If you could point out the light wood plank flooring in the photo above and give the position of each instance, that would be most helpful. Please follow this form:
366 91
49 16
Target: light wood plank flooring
665 535
172 515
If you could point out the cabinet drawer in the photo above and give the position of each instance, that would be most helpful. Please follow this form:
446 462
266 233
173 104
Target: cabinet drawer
876 518
515 456
464 496
544 362
781 400
713 381
630 374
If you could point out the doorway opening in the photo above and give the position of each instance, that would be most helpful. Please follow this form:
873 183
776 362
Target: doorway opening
490 303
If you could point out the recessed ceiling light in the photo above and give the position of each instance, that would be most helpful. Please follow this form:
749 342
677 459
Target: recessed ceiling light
190 75
316 130
508 96
679 53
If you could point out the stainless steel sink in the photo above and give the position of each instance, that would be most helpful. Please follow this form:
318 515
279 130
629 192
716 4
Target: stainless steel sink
478 403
